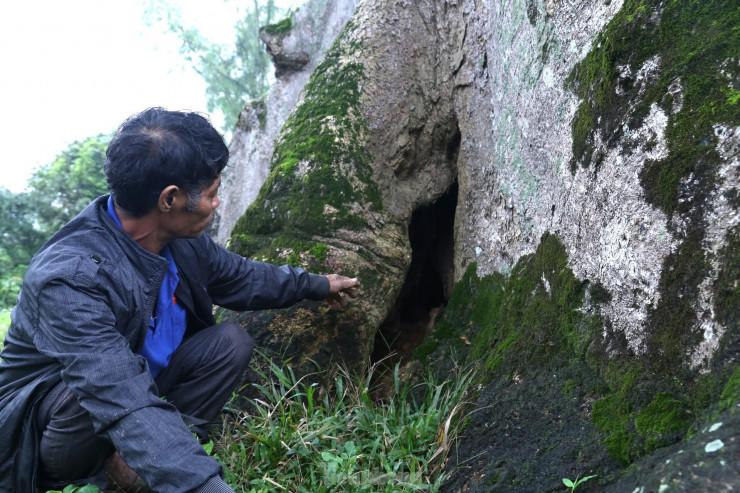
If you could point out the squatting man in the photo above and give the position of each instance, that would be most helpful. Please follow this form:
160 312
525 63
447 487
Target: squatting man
113 359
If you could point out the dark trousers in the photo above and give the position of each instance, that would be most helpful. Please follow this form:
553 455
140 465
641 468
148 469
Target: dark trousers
201 376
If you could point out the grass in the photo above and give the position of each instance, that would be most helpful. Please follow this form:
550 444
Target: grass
90 488
302 436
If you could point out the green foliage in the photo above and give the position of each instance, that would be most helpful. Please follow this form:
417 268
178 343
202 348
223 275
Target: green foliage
10 286
62 188
90 488
55 194
20 234
4 323
233 74
306 437
574 484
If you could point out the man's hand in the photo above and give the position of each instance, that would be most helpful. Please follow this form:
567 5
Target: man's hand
340 284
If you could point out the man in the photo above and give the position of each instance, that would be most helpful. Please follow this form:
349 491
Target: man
113 359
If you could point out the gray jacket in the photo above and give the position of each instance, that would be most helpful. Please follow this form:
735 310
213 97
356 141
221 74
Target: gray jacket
82 317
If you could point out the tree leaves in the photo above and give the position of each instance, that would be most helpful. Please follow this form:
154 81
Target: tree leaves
54 195
233 75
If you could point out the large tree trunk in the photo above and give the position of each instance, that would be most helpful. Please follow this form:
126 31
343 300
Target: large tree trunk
588 152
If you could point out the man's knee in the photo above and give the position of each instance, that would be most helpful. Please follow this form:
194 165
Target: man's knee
234 342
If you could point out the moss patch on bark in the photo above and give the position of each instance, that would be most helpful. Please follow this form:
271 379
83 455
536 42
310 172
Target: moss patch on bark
695 80
320 176
696 43
536 324
284 26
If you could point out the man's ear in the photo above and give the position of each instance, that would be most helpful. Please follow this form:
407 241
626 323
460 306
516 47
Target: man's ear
168 198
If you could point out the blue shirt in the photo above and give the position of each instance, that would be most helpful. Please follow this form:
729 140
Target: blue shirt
167 326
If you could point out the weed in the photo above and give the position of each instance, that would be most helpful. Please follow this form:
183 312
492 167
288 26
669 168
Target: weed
306 437
574 484
90 488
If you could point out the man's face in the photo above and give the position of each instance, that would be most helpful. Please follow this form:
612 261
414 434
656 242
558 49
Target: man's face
185 224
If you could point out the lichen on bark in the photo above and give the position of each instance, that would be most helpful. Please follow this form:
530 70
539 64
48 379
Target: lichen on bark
680 55
696 45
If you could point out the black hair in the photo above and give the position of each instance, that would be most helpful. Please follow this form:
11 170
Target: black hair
158 148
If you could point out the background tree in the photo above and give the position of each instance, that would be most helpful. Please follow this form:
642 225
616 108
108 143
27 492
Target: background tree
62 188
233 74
19 235
54 195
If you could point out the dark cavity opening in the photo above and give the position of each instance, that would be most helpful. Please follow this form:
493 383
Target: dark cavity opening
427 286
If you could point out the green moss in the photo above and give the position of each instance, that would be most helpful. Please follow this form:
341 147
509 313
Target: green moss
660 421
583 125
531 319
674 318
369 279
425 349
285 250
568 387
733 197
613 413
731 393
536 315
468 308
641 411
694 41
695 46
532 322
599 294
320 170
319 251
716 391
500 350
727 287
532 11
282 27
261 109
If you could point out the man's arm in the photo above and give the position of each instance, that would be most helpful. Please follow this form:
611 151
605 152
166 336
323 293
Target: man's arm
76 327
239 283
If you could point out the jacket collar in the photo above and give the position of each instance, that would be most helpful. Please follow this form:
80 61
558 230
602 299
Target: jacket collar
141 259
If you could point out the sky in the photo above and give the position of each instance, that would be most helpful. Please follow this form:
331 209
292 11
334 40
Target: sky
76 68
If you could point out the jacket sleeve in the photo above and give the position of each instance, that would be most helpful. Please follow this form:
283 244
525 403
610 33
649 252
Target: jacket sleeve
238 283
76 327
